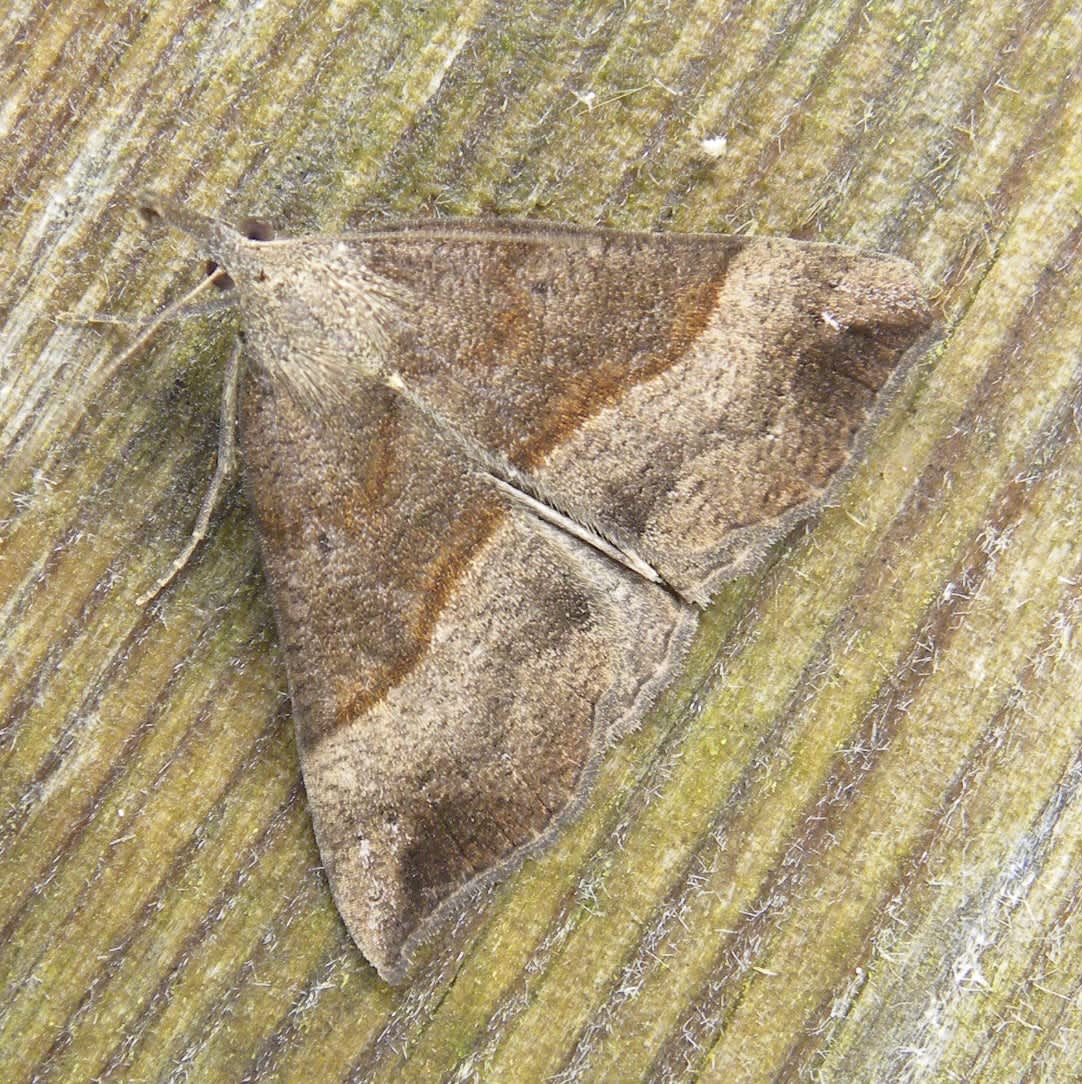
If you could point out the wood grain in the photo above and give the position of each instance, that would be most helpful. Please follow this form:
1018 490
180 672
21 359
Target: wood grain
848 843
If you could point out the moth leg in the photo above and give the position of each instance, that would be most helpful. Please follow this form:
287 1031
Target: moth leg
142 329
180 309
227 461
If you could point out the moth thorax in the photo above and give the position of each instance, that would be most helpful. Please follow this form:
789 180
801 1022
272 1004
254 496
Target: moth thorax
344 327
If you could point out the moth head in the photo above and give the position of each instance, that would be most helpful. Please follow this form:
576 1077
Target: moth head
234 254
339 341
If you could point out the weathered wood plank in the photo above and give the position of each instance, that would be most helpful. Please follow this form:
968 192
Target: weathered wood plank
848 842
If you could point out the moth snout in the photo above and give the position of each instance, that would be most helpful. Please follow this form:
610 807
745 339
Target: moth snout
220 241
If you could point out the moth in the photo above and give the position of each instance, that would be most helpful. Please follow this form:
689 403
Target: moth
497 469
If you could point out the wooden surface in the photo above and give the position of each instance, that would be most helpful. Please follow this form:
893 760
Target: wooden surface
848 844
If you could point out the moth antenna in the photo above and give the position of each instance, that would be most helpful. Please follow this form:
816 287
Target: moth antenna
225 466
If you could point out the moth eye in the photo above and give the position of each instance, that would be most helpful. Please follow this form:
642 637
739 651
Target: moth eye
255 229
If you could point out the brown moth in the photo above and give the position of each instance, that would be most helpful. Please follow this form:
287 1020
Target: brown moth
497 468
